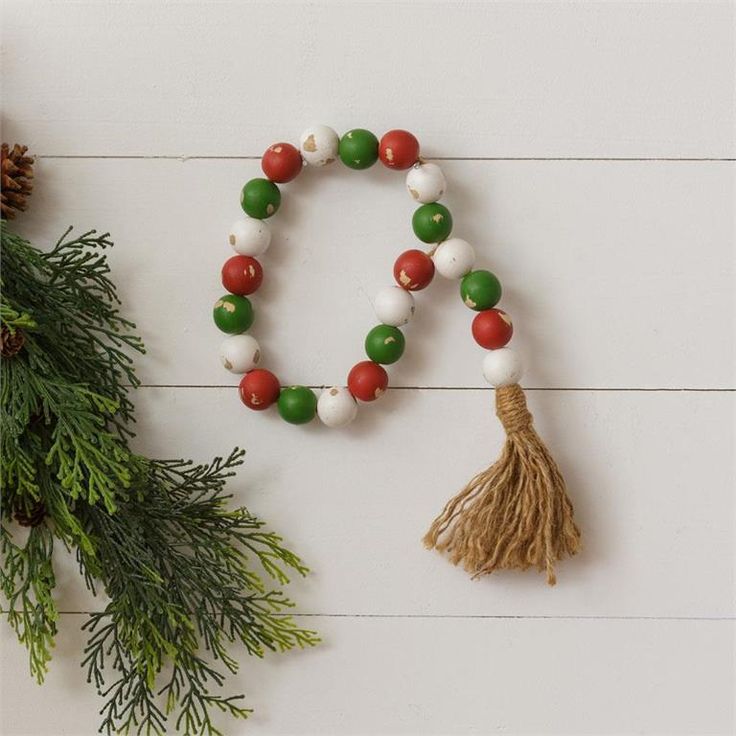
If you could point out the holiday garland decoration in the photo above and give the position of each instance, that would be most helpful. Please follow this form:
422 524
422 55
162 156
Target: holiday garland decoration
185 575
516 514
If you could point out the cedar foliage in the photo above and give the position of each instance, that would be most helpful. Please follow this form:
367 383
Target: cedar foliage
186 576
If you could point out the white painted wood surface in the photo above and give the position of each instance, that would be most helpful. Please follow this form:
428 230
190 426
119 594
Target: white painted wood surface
476 79
439 676
619 274
356 503
615 273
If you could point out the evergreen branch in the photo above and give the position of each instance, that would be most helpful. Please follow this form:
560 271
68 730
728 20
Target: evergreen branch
15 320
27 581
85 454
157 535
181 582
79 331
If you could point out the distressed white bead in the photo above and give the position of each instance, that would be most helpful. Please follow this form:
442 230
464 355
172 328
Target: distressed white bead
250 237
394 306
454 258
426 183
502 367
336 407
240 353
318 145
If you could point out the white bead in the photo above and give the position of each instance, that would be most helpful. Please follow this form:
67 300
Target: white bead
336 407
426 182
454 258
240 353
394 306
250 237
318 145
502 367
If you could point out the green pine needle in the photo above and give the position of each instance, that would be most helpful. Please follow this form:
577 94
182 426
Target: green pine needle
187 577
27 581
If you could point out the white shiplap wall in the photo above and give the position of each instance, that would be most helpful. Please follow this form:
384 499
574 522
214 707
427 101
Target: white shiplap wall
590 152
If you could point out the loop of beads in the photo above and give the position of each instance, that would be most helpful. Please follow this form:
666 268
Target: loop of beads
414 269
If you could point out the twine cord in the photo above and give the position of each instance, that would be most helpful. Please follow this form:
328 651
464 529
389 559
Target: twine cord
511 409
515 514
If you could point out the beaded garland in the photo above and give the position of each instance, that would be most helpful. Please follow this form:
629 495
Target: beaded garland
414 269
515 514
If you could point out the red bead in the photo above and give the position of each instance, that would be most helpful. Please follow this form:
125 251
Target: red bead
281 162
492 329
398 149
413 270
367 380
259 389
242 275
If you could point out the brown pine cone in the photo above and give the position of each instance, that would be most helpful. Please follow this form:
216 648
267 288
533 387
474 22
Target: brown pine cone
32 517
10 342
16 173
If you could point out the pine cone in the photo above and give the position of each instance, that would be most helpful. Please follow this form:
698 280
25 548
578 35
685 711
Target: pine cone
16 170
33 516
10 342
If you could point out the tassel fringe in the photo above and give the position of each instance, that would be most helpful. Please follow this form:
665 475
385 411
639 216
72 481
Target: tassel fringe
514 515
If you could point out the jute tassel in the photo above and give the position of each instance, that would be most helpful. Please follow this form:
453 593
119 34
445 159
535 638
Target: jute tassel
514 515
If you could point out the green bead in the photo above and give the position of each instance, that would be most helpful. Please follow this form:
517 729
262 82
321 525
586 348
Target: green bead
480 290
432 223
297 404
358 149
384 344
260 198
233 314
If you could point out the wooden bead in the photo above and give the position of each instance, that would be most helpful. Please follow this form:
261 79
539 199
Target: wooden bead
426 183
502 367
250 237
367 381
480 290
432 223
233 314
492 329
454 258
242 275
297 404
260 198
413 270
398 149
319 145
336 407
281 162
394 306
384 344
358 149
259 389
240 353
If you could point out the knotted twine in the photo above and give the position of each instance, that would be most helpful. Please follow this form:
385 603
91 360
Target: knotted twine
514 515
